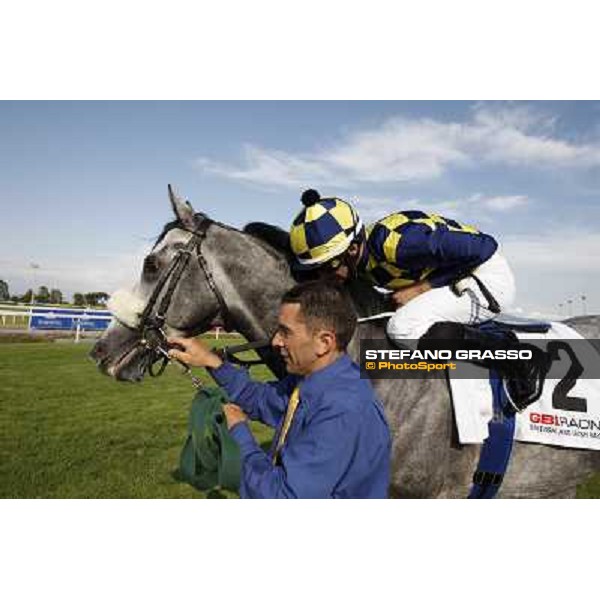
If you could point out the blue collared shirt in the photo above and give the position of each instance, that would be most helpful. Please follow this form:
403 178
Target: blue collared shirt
338 445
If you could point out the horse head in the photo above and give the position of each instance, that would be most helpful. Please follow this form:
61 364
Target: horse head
196 271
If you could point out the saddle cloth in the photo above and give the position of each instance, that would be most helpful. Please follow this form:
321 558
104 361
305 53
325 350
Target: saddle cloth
541 422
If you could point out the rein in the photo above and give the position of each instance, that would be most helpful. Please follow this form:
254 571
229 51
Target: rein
228 353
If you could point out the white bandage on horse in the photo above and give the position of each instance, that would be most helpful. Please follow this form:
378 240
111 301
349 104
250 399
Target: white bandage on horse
126 308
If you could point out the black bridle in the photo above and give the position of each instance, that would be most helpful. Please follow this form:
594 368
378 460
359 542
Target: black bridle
153 318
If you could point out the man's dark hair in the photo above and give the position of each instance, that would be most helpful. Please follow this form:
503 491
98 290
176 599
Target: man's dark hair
325 303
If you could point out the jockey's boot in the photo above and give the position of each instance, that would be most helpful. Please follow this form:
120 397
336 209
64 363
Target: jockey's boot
524 378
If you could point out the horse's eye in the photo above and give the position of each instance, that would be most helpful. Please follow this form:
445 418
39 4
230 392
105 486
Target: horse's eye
151 265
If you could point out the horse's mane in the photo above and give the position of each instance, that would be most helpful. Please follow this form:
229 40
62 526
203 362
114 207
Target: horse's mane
274 236
274 239
366 300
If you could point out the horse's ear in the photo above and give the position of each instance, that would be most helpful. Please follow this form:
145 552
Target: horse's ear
183 210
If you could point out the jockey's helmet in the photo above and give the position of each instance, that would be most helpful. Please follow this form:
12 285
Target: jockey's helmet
323 230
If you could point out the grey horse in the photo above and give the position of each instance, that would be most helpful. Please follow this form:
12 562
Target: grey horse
250 270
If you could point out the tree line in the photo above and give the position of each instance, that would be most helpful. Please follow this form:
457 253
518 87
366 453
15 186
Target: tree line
52 296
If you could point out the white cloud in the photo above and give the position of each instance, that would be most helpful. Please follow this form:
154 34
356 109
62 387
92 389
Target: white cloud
503 203
272 168
570 252
401 149
459 208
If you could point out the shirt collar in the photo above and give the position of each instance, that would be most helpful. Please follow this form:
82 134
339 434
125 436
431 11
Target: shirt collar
318 378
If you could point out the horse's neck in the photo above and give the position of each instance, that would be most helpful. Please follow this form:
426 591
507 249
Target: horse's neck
371 330
252 280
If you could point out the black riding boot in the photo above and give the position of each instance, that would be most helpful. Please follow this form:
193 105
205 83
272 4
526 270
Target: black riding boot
524 378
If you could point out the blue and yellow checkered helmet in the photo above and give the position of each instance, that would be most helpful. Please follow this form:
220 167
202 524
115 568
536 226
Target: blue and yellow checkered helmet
323 229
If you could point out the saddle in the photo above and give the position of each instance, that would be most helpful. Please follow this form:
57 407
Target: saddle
522 324
524 379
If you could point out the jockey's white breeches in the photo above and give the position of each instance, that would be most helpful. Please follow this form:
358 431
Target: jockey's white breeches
413 319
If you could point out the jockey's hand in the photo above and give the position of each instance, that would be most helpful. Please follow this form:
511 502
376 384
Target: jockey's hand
406 294
234 415
193 352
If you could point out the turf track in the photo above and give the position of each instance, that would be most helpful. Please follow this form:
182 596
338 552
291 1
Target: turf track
66 431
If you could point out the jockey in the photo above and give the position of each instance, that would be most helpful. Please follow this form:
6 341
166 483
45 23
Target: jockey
436 269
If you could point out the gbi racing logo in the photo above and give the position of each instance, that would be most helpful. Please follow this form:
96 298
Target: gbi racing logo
591 425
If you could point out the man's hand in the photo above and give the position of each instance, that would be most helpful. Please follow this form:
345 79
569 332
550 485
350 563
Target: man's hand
193 352
234 415
408 293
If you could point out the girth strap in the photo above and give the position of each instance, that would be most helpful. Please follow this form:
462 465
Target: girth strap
497 448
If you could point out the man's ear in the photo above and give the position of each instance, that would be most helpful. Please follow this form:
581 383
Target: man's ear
326 342
353 249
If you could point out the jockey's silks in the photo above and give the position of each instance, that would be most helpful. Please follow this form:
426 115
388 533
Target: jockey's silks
338 443
410 246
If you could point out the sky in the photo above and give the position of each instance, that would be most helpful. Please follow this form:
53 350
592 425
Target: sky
83 186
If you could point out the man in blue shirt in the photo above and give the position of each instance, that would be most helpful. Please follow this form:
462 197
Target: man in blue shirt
331 438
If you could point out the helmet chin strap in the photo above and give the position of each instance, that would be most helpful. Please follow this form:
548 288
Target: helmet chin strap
353 261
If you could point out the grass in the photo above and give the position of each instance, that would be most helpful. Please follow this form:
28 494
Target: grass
24 338
66 431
